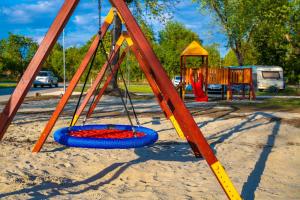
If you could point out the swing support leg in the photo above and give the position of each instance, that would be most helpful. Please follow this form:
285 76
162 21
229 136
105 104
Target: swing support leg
181 113
161 101
35 65
69 90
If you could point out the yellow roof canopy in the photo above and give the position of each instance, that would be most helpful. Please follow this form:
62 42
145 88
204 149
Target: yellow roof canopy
194 49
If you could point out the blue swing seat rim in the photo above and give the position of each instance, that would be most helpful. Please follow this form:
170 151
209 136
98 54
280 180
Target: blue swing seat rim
62 136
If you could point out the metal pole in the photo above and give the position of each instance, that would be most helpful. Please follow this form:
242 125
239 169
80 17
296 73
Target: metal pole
64 60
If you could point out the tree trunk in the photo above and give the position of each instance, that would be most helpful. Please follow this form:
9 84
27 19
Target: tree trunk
239 54
116 32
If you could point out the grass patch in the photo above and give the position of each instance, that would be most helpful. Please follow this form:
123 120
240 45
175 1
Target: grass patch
8 85
290 104
289 91
134 88
280 103
138 88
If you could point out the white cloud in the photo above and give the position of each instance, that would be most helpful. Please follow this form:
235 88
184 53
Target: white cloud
25 13
42 6
40 39
85 19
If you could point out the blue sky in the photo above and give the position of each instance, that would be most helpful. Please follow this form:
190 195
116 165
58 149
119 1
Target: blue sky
32 18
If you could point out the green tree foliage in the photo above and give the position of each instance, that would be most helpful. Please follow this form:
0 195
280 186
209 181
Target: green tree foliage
54 61
277 37
172 41
153 9
264 32
238 19
214 58
292 64
250 56
168 48
16 53
230 59
130 64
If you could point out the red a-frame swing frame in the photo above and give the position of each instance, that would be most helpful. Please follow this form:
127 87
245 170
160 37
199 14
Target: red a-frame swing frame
165 92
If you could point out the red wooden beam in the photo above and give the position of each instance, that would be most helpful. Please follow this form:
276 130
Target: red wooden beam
179 110
35 65
160 98
146 69
181 113
70 89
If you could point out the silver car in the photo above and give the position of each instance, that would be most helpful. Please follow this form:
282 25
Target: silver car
176 80
45 78
214 87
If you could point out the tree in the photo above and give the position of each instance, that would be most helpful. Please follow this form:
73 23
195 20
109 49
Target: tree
241 19
172 41
156 7
73 59
16 53
153 9
135 71
54 61
277 37
214 57
237 19
230 59
292 65
2 64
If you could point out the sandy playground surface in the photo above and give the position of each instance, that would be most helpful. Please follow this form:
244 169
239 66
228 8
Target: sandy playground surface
259 149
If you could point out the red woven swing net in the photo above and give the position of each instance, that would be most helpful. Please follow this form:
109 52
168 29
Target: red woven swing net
106 134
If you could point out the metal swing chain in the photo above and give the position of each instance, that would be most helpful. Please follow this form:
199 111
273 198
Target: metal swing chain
129 98
94 97
116 85
98 87
115 82
91 65
85 82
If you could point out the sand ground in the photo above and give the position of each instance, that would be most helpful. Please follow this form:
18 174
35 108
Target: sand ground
259 150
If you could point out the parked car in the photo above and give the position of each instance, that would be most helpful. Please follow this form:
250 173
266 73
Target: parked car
214 88
176 80
45 78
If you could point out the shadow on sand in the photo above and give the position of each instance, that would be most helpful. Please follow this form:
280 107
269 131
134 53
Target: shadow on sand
163 151
254 178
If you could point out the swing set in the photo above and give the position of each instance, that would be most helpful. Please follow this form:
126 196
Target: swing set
113 136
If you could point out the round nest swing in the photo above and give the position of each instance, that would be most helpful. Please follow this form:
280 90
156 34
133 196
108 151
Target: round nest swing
105 136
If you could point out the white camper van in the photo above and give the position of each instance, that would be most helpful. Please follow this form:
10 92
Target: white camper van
269 76
265 77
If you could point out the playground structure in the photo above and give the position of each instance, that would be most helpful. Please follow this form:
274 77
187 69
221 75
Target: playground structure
168 99
201 76
191 75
